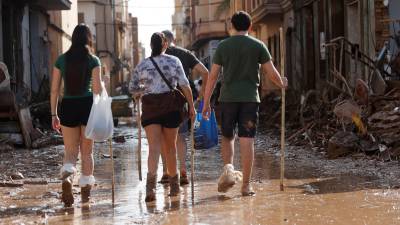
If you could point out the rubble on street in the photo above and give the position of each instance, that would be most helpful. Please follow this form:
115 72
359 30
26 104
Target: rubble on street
338 135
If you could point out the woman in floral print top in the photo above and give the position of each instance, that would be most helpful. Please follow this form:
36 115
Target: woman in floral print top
147 80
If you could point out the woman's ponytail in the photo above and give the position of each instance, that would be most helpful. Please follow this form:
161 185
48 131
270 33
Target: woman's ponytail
157 42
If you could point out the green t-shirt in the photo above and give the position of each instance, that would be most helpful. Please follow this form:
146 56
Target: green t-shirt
93 62
240 57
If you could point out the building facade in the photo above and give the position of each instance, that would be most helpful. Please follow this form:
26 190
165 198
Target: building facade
27 44
200 25
111 26
30 39
324 41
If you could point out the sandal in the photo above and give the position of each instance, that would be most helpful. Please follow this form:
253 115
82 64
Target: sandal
247 190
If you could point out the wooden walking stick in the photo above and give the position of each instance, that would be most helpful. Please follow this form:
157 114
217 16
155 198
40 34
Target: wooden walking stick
192 157
282 57
113 172
139 124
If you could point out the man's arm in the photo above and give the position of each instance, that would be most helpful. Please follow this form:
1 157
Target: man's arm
271 72
212 80
199 68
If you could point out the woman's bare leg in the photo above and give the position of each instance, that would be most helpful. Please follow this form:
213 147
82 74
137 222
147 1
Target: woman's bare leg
86 149
169 136
71 136
153 133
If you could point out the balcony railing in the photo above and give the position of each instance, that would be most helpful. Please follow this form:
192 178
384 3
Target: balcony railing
52 4
266 7
204 32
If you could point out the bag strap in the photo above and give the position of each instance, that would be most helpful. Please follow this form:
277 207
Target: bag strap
162 74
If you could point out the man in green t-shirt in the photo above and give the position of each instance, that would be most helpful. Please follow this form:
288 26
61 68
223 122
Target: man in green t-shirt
240 56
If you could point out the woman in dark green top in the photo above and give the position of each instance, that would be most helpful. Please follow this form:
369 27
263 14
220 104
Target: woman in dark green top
80 71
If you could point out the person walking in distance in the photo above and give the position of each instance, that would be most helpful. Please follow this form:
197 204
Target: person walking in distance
240 56
153 79
190 65
81 72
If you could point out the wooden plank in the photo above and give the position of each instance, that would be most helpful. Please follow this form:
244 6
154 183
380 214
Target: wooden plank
11 184
25 121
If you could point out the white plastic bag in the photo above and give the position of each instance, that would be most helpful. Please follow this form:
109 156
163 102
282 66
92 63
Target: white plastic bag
100 125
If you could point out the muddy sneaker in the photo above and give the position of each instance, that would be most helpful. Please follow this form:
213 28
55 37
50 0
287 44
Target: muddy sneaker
174 188
164 179
228 178
85 193
247 190
183 179
150 188
67 197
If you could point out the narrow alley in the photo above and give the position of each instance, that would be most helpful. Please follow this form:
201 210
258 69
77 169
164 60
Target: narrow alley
352 190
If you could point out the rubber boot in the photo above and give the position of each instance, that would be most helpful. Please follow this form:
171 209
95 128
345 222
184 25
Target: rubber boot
151 188
67 196
85 193
184 179
67 173
174 187
86 183
164 179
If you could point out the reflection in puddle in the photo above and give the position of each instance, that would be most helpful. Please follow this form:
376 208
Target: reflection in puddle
310 196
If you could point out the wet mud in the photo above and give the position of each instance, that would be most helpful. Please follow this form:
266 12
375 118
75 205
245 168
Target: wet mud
351 190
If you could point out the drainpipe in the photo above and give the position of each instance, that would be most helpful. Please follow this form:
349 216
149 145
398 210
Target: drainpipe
114 22
1 32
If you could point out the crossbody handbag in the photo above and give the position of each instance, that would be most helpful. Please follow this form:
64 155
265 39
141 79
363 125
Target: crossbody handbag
154 105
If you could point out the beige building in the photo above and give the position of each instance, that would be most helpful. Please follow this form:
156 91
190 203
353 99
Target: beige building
134 37
141 51
200 26
181 23
110 24
62 24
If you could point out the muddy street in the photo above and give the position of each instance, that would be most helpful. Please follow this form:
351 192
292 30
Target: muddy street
351 190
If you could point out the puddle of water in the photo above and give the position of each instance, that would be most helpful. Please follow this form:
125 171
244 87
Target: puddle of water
309 197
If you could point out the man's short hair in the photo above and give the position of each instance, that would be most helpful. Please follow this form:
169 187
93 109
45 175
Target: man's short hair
241 21
169 35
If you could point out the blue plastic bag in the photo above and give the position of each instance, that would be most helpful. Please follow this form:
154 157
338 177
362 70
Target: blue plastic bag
205 131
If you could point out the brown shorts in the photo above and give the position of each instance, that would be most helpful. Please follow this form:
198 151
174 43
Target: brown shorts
168 120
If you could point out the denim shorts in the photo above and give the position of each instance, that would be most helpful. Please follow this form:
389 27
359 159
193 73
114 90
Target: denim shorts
240 115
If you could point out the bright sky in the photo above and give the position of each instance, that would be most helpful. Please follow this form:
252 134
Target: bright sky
153 16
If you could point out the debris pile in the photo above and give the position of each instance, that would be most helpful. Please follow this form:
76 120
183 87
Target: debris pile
384 123
345 126
44 166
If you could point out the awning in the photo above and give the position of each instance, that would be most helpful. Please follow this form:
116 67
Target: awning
52 4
